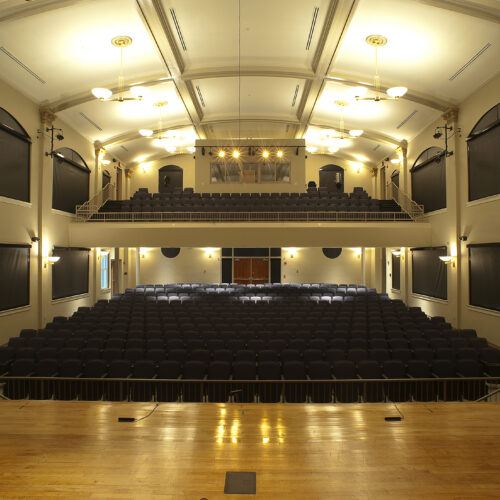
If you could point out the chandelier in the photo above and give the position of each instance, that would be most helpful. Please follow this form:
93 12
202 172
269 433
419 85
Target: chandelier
137 92
160 139
393 93
336 140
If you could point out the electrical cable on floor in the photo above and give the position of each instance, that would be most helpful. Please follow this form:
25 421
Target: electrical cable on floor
130 419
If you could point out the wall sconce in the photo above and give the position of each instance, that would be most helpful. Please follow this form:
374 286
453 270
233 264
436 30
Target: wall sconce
50 261
143 252
448 259
397 253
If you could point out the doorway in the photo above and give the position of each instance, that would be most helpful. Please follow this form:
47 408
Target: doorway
170 178
119 182
332 178
251 270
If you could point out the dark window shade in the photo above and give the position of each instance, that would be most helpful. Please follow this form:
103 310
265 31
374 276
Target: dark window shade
14 276
70 275
170 253
14 166
484 275
484 168
227 252
332 253
227 270
429 272
275 270
396 272
70 185
275 252
428 183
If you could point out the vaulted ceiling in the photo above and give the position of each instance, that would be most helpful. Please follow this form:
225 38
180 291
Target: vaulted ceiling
232 69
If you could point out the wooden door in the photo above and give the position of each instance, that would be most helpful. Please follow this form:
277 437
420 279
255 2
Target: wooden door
242 271
260 271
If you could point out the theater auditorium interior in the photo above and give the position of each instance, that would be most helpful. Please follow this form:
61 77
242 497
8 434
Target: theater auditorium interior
249 247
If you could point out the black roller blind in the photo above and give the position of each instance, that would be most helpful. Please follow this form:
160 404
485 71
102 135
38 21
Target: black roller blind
14 276
484 275
227 270
429 272
396 272
484 167
275 270
428 184
70 185
14 166
70 275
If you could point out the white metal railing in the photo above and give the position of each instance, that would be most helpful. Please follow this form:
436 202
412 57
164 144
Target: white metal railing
412 208
91 207
312 216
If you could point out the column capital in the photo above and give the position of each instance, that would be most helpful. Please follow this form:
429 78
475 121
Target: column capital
47 116
450 115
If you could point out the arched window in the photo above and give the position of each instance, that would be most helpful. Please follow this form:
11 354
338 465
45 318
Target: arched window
483 147
15 146
70 186
169 179
332 177
428 179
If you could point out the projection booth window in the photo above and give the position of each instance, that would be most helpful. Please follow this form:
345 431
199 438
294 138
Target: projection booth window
15 146
429 272
14 276
428 179
483 275
70 185
70 275
483 148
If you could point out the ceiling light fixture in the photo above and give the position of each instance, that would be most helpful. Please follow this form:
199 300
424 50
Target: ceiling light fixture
138 92
336 139
393 93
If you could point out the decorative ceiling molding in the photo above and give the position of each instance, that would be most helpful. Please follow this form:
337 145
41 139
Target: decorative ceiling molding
155 21
488 10
411 95
262 71
338 18
84 97
13 10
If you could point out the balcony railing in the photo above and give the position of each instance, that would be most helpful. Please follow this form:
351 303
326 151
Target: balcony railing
412 208
91 207
312 216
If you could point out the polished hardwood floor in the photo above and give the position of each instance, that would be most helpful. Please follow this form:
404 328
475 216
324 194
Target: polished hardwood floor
71 450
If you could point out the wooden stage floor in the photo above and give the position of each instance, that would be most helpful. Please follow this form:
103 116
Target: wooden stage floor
72 450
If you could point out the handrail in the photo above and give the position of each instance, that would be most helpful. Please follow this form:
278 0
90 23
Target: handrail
254 216
85 211
412 208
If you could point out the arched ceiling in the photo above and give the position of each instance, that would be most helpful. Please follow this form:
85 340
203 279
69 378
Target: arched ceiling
272 69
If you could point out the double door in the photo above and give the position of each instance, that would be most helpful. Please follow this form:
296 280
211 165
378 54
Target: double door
251 270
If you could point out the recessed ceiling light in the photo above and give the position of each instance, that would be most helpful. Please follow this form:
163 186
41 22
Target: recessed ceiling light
146 132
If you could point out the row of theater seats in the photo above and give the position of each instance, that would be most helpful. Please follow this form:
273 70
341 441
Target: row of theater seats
311 201
220 381
370 329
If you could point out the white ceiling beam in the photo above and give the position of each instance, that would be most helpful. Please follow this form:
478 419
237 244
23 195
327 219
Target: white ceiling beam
371 135
84 97
488 10
132 135
13 10
337 19
155 20
261 71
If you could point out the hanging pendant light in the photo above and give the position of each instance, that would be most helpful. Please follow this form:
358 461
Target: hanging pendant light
138 92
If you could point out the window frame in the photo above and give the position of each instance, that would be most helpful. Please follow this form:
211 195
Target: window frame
28 277
475 245
258 169
106 269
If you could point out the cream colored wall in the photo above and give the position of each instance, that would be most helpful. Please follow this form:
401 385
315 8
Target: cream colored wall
192 265
146 174
294 151
479 221
309 265
20 221
354 176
